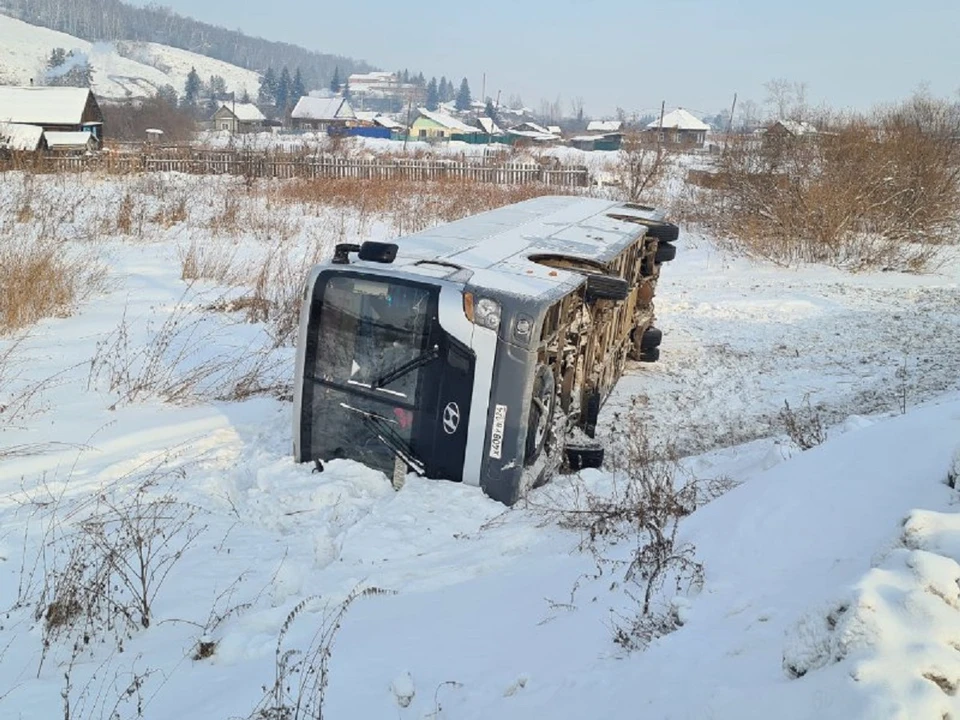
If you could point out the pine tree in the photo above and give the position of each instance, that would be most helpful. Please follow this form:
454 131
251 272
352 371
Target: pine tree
442 89
433 96
58 56
420 80
268 87
406 76
246 97
463 97
217 87
335 82
298 89
284 86
168 94
191 90
346 89
490 111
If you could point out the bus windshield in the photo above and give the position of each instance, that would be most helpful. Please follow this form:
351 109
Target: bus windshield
375 358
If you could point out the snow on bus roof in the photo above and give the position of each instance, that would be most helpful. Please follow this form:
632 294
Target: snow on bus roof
496 245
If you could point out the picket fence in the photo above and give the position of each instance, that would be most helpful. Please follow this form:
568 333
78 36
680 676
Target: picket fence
333 167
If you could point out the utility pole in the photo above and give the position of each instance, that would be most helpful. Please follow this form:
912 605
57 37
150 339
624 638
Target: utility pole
406 135
663 107
733 109
483 88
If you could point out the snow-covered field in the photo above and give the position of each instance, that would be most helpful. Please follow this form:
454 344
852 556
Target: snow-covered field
830 576
119 70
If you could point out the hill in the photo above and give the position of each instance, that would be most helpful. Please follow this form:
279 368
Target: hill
124 69
115 21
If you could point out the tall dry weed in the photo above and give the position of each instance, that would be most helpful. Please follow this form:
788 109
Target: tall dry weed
40 279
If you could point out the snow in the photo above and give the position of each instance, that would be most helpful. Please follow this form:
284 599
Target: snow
830 586
43 105
20 137
120 70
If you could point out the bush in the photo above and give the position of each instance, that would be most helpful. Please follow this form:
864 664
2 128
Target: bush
641 511
864 192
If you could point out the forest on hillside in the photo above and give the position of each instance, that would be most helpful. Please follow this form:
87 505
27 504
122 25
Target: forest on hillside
113 20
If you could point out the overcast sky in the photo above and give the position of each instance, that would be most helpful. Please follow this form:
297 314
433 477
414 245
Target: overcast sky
630 53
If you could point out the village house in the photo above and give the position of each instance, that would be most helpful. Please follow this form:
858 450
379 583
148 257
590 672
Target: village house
790 128
322 114
681 128
54 109
438 126
238 118
532 131
69 142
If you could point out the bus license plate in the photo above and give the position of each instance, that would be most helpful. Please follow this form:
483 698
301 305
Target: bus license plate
496 436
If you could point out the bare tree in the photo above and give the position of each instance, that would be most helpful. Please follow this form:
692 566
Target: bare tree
779 95
576 108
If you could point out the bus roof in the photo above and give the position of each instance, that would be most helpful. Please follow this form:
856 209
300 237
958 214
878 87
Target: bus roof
496 246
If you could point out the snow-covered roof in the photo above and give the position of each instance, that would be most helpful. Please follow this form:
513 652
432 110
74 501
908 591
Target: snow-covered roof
528 127
20 137
388 122
43 105
604 125
679 119
447 121
488 125
796 127
244 112
315 108
555 129
62 140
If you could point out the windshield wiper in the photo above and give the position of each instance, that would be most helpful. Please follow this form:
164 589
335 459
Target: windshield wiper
380 427
398 372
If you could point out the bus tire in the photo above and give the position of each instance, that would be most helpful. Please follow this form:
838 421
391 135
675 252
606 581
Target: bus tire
542 403
650 356
664 232
665 252
581 457
651 338
606 287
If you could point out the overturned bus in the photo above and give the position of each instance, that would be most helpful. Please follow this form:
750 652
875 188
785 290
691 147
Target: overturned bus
479 351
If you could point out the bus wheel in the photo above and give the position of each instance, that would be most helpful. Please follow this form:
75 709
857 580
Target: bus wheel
605 287
665 253
541 413
581 457
664 231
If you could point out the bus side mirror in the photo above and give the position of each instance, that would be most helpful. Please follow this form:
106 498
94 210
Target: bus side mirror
378 252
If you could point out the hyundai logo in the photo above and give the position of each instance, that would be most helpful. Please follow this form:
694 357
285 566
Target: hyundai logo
451 418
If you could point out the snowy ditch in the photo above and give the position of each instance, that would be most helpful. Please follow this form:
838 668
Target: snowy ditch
829 576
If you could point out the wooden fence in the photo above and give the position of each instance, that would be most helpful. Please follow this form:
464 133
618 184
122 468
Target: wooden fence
324 166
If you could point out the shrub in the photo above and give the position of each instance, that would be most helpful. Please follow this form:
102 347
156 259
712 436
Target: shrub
864 192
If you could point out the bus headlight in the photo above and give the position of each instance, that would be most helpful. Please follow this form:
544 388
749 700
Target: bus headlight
487 313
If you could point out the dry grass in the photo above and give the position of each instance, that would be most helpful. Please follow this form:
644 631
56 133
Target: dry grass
409 206
41 279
